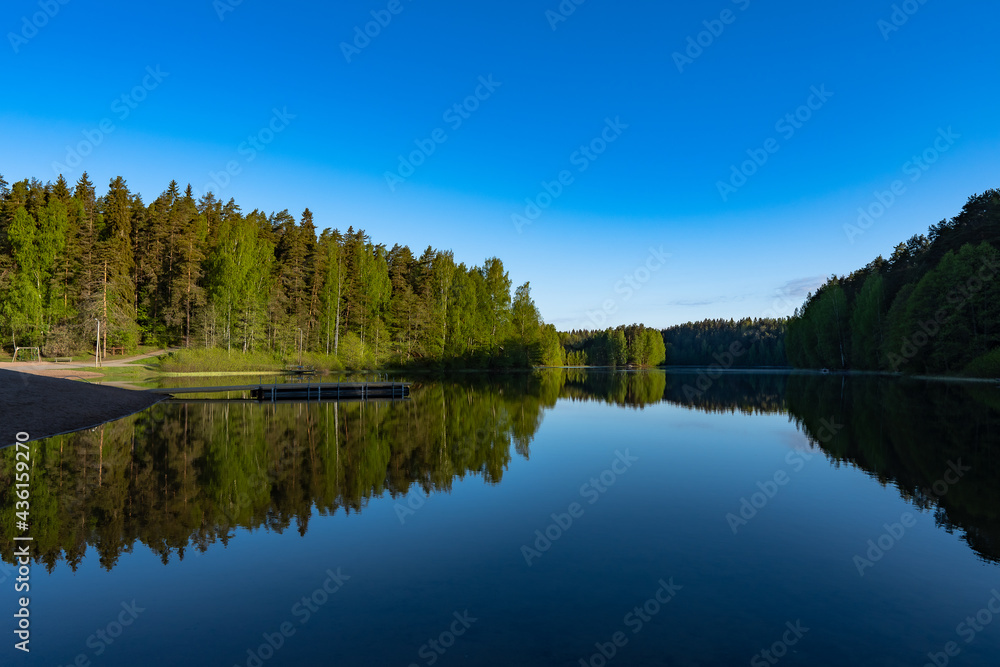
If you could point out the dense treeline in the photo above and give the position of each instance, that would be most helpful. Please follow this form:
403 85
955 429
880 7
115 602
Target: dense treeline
762 342
202 273
933 306
625 345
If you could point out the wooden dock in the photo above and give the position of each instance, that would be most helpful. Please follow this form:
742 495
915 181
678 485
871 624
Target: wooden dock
301 391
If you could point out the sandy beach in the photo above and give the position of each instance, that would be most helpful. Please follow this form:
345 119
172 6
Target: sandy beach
43 406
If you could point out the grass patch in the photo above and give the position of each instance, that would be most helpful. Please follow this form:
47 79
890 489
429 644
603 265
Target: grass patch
214 360
984 366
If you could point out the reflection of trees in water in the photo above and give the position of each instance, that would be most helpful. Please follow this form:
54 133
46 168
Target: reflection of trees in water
901 432
747 393
183 476
186 475
635 389
909 433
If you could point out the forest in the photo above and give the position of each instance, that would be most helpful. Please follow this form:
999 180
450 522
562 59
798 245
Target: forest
633 345
202 273
691 344
702 343
932 307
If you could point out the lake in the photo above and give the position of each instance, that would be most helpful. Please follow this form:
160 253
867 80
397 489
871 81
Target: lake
563 517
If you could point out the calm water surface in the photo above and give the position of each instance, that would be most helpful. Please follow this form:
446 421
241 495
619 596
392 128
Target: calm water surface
561 518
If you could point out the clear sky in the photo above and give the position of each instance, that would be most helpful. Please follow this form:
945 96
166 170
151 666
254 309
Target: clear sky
291 105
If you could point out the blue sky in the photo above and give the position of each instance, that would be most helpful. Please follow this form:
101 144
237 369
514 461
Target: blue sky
642 137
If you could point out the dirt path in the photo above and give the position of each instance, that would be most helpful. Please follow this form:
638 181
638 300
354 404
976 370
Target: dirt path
45 406
76 369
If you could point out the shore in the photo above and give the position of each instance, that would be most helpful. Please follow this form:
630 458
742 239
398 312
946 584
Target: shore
44 406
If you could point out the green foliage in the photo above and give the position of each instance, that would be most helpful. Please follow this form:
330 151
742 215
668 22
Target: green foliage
932 307
202 274
984 366
217 360
702 343
867 324
633 345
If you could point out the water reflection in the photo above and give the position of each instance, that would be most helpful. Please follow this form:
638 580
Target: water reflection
185 476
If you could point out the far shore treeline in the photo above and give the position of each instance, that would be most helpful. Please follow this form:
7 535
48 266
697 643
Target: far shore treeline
932 307
202 273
